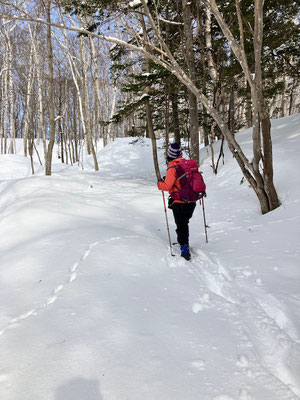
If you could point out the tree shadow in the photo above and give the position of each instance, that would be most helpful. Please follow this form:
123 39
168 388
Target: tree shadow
79 389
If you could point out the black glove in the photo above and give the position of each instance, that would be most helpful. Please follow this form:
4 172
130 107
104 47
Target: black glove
202 194
161 179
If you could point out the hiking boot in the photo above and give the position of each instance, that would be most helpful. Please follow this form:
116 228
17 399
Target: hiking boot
185 252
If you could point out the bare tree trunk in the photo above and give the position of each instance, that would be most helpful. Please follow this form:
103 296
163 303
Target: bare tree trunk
249 117
205 127
2 110
75 152
284 100
212 69
292 99
27 102
149 111
267 158
107 136
4 105
11 96
31 145
231 110
175 115
59 122
167 122
193 101
86 105
48 166
97 90
213 87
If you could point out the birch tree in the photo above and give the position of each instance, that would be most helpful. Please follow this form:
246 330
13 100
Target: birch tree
4 104
10 87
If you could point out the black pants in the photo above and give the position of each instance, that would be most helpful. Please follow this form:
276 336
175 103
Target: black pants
182 213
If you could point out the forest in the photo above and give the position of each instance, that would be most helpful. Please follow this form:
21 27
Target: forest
81 73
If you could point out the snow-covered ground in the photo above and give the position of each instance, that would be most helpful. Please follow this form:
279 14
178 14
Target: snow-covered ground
93 307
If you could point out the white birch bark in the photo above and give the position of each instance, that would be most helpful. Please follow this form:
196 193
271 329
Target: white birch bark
96 89
212 69
86 104
11 96
107 137
4 108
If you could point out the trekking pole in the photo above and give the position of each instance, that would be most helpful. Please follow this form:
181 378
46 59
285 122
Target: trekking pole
163 195
204 219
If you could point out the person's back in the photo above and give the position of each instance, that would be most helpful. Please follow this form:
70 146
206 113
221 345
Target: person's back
182 210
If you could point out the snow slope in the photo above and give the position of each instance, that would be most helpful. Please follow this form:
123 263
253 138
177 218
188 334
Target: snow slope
93 307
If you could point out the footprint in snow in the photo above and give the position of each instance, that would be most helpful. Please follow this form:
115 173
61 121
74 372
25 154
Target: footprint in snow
199 365
58 289
196 365
73 276
203 304
197 307
242 361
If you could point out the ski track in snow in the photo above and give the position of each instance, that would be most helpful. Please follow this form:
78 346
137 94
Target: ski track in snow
260 318
72 276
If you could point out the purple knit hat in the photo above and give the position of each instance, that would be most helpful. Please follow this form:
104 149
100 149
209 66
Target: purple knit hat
174 151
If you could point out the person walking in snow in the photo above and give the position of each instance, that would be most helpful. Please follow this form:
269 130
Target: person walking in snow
182 210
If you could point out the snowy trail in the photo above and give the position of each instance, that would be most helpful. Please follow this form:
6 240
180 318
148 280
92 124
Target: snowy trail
275 341
260 321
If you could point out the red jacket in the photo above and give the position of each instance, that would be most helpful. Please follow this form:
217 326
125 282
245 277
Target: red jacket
171 183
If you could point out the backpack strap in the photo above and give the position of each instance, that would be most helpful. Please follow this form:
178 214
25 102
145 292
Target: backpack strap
174 166
182 176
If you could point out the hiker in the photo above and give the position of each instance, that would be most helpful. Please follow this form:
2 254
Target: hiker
182 210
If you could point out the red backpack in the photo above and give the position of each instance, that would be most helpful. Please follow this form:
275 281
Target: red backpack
191 181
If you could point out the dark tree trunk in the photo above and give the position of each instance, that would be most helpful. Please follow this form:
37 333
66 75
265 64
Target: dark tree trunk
190 59
175 116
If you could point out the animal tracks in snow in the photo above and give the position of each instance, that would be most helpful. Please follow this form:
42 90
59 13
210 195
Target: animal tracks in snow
15 322
72 276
